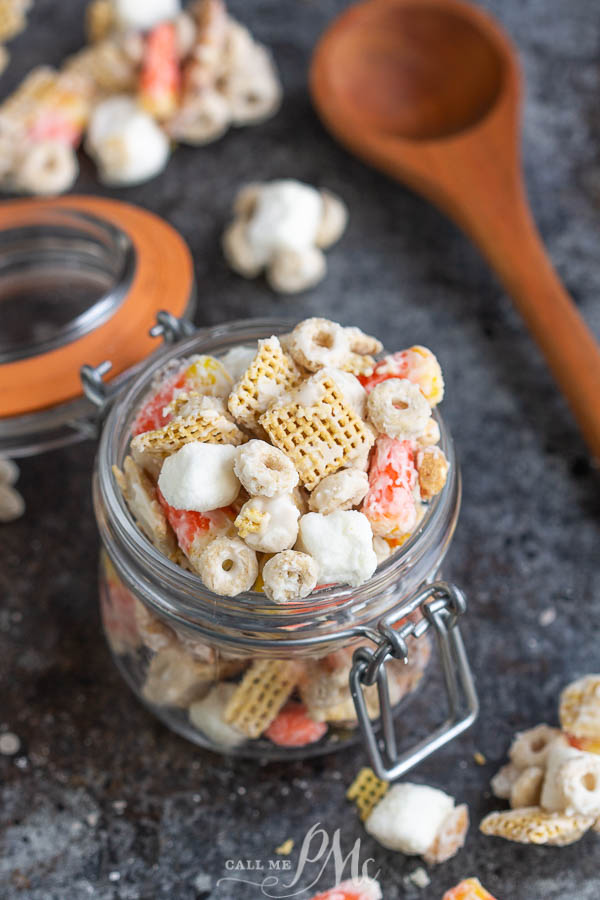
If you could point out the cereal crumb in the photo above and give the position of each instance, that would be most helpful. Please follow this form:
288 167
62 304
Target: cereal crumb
114 876
202 883
419 877
547 617
9 744
119 806
286 848
92 819
479 758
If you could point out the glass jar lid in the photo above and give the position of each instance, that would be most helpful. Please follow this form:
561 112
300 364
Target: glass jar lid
81 278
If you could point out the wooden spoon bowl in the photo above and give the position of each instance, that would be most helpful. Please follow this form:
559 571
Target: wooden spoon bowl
429 91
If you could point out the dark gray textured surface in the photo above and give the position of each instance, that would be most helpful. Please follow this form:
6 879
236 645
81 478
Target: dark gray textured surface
102 801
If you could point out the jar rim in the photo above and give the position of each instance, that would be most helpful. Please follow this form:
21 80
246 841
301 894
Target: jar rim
180 595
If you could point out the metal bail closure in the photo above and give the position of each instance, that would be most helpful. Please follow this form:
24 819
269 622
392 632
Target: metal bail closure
170 328
441 605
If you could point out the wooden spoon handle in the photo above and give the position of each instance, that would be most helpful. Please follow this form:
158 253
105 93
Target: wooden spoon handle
515 251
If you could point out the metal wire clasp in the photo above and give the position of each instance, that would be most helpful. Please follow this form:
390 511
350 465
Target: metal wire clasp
441 605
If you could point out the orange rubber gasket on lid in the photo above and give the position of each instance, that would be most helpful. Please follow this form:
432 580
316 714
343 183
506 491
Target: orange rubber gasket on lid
162 279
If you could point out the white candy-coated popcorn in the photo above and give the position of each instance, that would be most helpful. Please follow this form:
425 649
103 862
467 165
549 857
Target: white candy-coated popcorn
289 575
199 477
527 787
572 781
269 524
125 142
237 360
398 408
175 678
409 817
144 14
342 545
431 434
228 567
341 490
264 470
208 716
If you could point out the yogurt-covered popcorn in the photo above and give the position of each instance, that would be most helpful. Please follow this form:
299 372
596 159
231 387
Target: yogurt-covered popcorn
265 473
125 142
282 227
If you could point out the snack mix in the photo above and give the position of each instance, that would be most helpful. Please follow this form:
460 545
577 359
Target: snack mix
410 818
552 781
282 468
283 227
152 74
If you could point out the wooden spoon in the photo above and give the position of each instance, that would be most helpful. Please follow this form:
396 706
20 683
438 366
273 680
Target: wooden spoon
429 91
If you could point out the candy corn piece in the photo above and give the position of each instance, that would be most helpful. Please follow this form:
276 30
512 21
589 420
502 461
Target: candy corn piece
194 530
293 727
363 889
390 503
418 364
160 76
203 374
469 889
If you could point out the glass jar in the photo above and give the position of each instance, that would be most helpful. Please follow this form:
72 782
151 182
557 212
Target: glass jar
201 662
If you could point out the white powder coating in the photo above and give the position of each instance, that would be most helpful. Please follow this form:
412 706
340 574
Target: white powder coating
278 527
125 142
562 756
409 817
237 360
144 14
199 477
286 216
342 545
208 716
264 470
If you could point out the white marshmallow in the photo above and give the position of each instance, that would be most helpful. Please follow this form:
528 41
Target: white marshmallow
276 521
208 716
342 545
125 142
286 217
237 360
199 477
144 14
409 817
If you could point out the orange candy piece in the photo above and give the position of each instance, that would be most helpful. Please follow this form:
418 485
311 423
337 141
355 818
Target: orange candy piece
160 77
581 743
151 415
365 889
469 889
195 530
390 503
294 728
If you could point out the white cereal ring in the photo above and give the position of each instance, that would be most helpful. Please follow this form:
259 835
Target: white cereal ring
315 343
292 270
228 566
530 748
341 490
269 524
264 470
290 575
397 407
579 781
47 168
